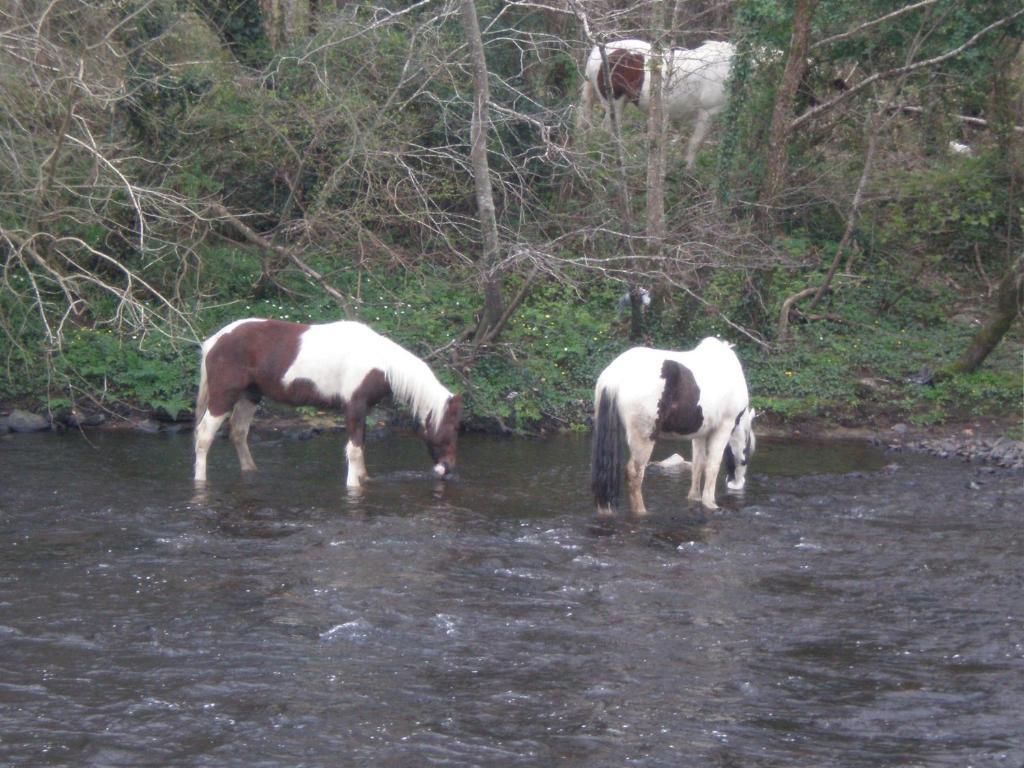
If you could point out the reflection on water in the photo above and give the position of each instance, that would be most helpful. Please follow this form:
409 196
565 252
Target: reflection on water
851 609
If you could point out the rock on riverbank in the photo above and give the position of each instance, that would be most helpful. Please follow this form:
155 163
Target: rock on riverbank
1001 452
23 421
964 444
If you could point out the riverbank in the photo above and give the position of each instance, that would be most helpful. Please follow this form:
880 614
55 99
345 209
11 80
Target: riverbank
983 441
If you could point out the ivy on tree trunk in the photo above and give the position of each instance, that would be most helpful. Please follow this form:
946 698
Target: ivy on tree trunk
1009 298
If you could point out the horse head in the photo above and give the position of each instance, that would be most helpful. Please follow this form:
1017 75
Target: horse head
739 450
441 439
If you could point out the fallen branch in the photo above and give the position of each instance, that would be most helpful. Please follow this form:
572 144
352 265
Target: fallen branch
783 329
904 70
493 331
254 237
872 131
912 110
872 23
830 318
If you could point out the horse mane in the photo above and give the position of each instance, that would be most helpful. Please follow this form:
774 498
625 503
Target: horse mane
414 384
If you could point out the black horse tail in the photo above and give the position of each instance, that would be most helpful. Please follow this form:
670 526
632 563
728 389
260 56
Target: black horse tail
606 458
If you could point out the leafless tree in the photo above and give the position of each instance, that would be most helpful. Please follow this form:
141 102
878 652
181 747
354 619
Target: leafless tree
82 224
479 132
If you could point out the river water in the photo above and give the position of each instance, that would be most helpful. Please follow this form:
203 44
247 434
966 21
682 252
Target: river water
854 608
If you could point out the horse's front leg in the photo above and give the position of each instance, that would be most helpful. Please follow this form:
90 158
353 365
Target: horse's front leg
700 130
606 120
356 423
699 460
713 462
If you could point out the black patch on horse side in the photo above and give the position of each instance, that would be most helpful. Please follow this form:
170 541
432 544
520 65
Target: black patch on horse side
678 409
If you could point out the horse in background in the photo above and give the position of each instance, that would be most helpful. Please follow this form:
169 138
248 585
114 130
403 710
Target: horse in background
694 89
343 365
646 394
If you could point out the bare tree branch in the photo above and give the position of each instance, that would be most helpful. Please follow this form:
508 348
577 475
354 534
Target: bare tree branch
257 239
898 71
872 23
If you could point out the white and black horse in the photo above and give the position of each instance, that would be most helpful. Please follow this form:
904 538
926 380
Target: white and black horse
695 84
645 394
343 365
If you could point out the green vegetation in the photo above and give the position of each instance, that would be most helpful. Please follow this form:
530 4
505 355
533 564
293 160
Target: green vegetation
221 169
857 368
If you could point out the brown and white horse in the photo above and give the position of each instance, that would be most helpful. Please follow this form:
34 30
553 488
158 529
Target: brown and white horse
645 394
343 365
695 85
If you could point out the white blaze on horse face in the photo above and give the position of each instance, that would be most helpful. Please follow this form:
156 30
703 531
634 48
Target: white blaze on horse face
738 483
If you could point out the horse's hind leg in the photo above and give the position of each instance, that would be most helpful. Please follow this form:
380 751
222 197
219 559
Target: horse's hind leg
206 431
700 130
241 418
639 455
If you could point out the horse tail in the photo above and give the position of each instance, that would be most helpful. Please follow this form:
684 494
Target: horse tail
606 460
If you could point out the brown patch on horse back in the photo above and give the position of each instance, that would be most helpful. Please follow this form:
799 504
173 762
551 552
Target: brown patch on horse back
627 74
251 360
678 409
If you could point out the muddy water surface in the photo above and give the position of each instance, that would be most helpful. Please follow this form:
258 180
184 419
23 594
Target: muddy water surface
854 608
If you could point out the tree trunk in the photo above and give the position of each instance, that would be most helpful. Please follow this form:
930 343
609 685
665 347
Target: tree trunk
872 131
489 259
1009 299
1009 293
777 163
285 22
656 148
625 205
